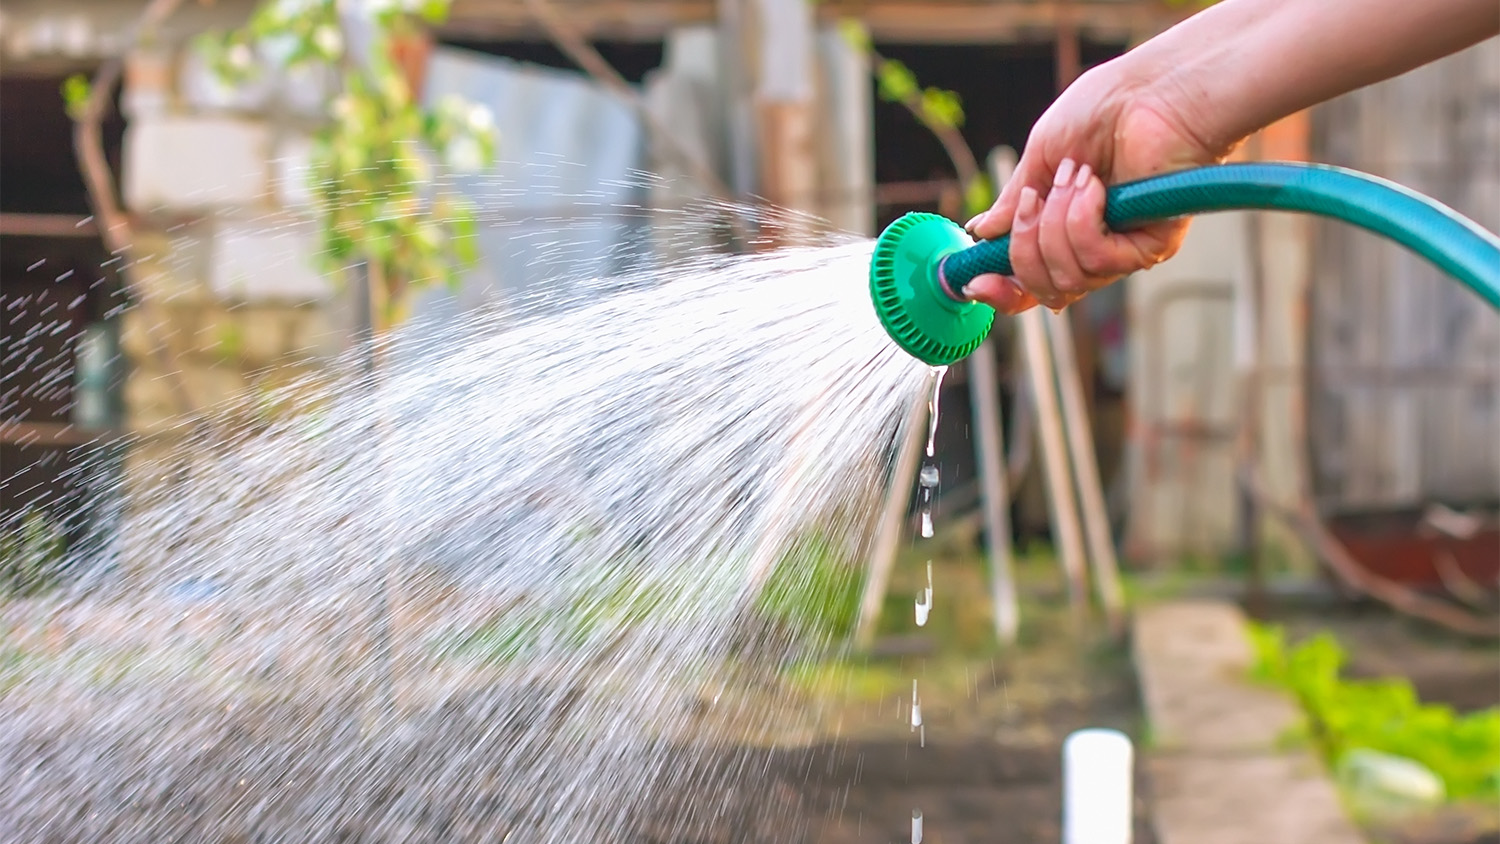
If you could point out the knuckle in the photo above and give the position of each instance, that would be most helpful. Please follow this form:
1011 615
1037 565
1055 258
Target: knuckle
1095 260
1059 206
1069 284
1082 218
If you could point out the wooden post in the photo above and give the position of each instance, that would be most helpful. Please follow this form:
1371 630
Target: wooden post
1248 310
883 558
1069 62
737 73
1067 533
1101 547
989 445
784 116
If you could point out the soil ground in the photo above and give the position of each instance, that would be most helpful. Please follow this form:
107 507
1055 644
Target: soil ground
986 765
995 721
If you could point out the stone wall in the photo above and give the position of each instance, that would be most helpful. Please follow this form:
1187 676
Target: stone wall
229 297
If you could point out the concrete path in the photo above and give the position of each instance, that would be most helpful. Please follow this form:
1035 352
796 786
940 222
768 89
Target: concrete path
1218 772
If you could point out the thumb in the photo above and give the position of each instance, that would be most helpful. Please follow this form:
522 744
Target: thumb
1002 293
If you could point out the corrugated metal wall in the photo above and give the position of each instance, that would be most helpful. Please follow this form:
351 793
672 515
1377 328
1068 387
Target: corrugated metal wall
558 203
1404 395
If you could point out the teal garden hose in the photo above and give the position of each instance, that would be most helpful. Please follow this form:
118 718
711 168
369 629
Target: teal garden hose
923 261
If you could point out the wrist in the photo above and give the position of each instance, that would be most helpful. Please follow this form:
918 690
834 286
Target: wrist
1191 88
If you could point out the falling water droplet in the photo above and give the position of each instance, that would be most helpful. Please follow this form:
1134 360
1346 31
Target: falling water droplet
916 707
932 407
924 601
926 524
929 476
916 826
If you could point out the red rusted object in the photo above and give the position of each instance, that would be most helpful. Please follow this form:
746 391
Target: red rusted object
1400 550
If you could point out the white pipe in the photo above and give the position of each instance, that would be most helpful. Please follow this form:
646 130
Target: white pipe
1098 767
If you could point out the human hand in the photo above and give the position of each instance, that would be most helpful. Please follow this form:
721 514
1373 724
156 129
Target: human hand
1109 126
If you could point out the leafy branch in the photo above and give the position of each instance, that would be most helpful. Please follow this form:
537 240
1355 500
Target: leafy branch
940 110
374 161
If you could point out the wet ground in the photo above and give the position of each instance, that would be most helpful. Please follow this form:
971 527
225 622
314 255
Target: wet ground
985 767
846 766
987 764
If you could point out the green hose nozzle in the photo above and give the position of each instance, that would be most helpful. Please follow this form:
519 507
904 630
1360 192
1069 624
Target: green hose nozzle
922 262
906 282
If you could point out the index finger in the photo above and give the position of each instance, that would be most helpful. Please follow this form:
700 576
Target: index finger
1033 172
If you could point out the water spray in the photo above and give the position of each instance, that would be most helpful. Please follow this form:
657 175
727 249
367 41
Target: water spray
922 262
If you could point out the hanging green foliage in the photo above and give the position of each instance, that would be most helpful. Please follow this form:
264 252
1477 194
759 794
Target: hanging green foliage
377 160
939 109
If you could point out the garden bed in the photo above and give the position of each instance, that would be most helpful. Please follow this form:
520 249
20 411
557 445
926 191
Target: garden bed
1440 668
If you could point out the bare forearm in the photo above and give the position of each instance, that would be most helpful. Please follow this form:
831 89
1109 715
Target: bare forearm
1243 64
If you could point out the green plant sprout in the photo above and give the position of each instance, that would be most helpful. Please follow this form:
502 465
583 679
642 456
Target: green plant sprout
374 161
1381 715
32 556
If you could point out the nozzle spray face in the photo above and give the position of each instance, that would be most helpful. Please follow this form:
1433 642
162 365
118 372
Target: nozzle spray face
932 323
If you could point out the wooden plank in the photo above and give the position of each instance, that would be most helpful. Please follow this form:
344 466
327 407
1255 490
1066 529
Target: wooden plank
1418 425
47 225
1085 463
989 443
615 20
891 21
958 22
984 388
888 540
51 434
1062 504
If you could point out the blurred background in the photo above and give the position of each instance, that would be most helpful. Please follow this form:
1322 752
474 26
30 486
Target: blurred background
1294 421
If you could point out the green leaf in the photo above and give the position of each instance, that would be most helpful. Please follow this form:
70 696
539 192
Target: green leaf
75 93
896 81
1384 715
370 171
855 34
465 240
978 195
943 107
433 11
230 342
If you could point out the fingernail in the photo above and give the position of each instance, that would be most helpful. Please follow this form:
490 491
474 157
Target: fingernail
1084 174
977 287
975 220
1064 176
1026 209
